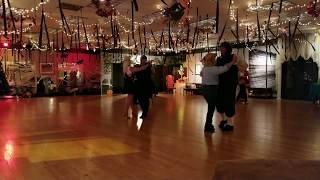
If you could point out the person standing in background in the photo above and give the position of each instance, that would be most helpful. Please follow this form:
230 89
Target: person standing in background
244 85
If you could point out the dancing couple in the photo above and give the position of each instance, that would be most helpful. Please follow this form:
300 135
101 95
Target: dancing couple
219 81
137 83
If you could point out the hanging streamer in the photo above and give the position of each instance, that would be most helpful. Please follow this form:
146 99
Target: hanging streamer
161 38
115 37
71 39
266 66
112 31
237 26
154 38
295 27
145 40
12 52
305 37
78 27
208 35
77 48
188 33
225 24
280 8
234 34
63 19
270 54
275 48
164 2
20 41
132 23
85 31
289 34
62 42
98 39
274 35
176 43
196 30
258 24
128 39
57 39
53 42
244 50
4 19
169 35
46 30
118 40
41 32
217 17
43 25
135 5
248 40
194 36
285 46
294 33
278 23
12 17
295 47
140 40
270 13
172 43
104 45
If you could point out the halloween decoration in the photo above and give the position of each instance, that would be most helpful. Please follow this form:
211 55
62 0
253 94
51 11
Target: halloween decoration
175 12
104 8
312 9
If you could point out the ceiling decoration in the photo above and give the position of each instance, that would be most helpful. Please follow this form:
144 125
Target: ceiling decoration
105 8
165 25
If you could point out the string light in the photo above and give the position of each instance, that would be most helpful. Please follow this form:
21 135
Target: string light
232 12
260 7
150 20
27 11
18 32
71 24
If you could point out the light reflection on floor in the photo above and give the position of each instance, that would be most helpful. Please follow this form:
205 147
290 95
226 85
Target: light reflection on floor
65 149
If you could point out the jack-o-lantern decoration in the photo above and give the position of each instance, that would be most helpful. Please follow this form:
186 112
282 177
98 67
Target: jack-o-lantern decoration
104 8
312 9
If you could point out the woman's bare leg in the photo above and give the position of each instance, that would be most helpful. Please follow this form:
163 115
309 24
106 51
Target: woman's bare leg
129 103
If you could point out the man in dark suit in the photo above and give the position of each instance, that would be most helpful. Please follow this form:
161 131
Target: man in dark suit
144 86
228 82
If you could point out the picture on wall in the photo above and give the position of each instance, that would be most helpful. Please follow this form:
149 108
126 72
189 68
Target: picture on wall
198 69
262 69
46 68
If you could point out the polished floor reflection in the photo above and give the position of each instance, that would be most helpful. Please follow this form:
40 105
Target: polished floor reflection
88 137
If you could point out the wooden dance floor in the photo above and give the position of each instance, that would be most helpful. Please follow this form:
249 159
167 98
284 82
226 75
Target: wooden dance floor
88 138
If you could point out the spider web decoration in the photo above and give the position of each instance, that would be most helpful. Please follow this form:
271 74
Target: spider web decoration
105 8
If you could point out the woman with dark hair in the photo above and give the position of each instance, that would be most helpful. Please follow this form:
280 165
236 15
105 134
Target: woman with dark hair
228 82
